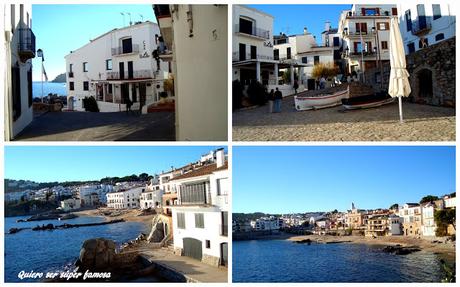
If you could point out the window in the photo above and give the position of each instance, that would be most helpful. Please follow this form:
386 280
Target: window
127 45
70 68
383 26
411 47
253 52
13 19
29 86
208 244
16 91
423 43
370 11
394 11
276 54
85 86
288 52
384 45
316 60
108 64
439 37
408 20
336 41
71 86
224 223
246 26
110 88
436 11
199 220
361 28
181 220
85 66
305 60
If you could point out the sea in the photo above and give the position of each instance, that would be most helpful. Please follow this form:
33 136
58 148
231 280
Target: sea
48 87
56 250
286 261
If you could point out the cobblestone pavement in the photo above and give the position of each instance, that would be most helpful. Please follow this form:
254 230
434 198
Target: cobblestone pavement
421 123
86 126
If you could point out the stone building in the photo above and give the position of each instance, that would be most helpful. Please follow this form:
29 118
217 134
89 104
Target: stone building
432 74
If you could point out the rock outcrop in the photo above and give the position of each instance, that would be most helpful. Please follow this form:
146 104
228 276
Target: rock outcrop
97 254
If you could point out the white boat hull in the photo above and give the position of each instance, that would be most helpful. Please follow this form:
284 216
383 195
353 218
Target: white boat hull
303 103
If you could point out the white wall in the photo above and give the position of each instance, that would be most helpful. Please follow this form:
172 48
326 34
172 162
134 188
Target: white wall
445 24
200 70
10 41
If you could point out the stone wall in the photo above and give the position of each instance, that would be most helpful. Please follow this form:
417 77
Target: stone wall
436 62
210 260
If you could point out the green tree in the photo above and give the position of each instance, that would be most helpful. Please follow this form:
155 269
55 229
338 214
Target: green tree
394 206
428 198
443 218
143 176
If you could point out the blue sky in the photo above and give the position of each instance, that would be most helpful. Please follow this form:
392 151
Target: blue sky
66 163
300 179
291 19
60 29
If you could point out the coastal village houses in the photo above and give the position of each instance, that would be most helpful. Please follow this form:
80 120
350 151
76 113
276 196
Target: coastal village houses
117 66
18 45
200 218
195 43
366 30
152 196
125 198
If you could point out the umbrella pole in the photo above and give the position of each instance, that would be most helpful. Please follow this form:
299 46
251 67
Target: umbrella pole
400 110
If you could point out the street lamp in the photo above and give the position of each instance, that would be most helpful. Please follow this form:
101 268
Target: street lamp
40 54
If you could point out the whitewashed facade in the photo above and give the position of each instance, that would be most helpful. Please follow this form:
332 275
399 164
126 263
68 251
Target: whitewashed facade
195 37
423 25
125 199
116 66
200 220
18 45
365 31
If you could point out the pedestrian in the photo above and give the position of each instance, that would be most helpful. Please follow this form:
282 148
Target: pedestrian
278 98
271 99
322 83
129 103
296 86
348 78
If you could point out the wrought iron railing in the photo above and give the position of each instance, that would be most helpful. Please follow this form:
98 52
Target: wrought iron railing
121 50
257 32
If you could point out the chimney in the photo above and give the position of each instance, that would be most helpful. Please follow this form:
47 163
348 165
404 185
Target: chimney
305 31
220 157
327 26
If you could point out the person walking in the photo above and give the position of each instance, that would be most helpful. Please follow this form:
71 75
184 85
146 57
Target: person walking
271 99
278 98
322 83
296 86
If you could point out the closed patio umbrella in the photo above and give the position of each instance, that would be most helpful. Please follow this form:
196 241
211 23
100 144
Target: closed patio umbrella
399 77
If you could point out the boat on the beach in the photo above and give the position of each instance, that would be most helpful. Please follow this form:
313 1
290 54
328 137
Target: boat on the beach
367 101
304 103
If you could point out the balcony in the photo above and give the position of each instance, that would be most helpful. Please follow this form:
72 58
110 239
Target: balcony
255 32
70 74
120 51
137 75
164 20
421 26
248 56
26 48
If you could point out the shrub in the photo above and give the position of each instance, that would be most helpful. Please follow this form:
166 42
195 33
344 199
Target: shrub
237 94
328 70
257 94
90 104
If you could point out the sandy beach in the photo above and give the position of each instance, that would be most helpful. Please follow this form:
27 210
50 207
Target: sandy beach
127 215
447 250
422 123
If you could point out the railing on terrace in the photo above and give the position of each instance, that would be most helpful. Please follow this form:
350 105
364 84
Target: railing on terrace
257 32
249 56
121 51
137 74
421 25
26 43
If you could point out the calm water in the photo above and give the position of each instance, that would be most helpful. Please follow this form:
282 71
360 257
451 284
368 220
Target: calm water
44 251
285 261
55 88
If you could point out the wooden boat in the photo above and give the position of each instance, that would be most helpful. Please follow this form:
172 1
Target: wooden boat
304 103
367 101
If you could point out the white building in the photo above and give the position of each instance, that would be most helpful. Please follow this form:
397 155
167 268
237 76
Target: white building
70 204
18 46
428 223
116 66
92 195
125 199
411 219
151 197
196 44
450 201
424 25
200 220
266 223
365 31
394 222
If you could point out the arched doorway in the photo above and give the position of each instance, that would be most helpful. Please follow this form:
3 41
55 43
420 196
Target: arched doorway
425 84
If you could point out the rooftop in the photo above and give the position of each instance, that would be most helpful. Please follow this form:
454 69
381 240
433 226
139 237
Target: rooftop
205 170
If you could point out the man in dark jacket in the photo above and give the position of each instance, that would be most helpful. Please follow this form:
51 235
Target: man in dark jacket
278 98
